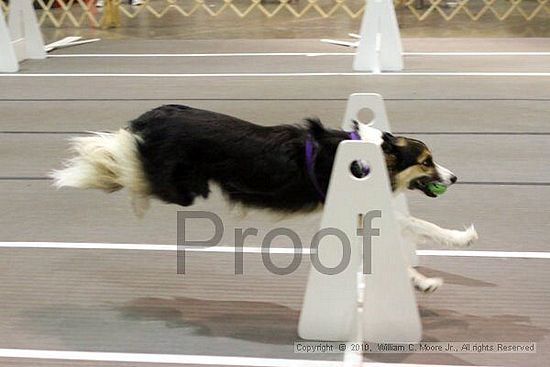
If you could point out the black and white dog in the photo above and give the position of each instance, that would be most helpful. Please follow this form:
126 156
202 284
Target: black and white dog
175 152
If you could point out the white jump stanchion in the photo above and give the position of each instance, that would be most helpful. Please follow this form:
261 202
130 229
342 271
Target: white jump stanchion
8 59
24 38
389 312
375 103
380 46
24 26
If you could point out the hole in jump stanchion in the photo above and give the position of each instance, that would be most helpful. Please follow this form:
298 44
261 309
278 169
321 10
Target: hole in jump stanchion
366 116
359 169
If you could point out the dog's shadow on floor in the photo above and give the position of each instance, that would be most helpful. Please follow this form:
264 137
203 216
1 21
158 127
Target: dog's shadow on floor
456 279
270 323
255 321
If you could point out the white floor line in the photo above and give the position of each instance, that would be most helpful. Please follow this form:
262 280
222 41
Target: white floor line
241 54
257 250
452 54
274 75
481 253
185 359
297 54
145 247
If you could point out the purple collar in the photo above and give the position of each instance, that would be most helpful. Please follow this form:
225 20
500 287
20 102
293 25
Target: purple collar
354 135
311 155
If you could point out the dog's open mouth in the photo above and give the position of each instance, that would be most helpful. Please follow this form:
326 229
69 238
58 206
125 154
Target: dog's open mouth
421 184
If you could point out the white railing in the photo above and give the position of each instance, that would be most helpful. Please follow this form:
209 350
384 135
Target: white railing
83 13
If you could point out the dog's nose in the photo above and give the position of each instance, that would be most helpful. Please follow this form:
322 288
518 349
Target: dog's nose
453 179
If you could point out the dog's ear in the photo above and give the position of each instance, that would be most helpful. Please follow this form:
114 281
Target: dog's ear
315 127
389 143
355 125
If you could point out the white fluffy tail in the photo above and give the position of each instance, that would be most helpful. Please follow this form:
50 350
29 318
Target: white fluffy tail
109 162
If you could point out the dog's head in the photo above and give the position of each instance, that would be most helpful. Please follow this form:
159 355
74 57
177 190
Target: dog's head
409 161
411 164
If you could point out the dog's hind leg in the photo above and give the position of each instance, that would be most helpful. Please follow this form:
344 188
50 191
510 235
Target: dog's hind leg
421 231
188 184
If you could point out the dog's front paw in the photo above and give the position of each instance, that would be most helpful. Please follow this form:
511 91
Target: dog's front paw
428 285
464 238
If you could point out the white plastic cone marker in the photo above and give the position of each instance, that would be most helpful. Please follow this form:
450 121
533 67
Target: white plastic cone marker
25 31
61 43
380 46
375 102
69 42
329 311
8 59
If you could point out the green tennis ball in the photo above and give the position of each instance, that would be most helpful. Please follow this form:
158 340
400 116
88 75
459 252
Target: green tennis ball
436 188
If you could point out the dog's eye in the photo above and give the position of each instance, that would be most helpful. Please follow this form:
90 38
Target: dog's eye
427 163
